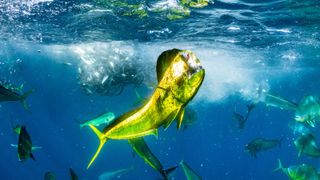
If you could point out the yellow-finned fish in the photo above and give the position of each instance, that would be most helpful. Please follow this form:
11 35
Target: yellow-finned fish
179 75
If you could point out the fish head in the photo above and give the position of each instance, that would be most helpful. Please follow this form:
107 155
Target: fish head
252 148
187 75
17 129
292 172
308 110
249 148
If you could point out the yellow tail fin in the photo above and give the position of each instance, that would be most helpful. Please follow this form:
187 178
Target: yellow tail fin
102 139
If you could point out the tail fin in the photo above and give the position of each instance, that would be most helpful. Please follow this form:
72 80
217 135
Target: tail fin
23 99
250 106
249 109
102 139
280 167
79 122
167 172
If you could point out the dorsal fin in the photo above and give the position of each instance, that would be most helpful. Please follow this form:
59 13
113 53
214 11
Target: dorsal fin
164 61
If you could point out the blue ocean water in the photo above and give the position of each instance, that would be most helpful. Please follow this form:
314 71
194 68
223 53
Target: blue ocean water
83 58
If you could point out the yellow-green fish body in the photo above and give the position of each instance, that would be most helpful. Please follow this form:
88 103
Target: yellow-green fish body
180 75
300 172
308 110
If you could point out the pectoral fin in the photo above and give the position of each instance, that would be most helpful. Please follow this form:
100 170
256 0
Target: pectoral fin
180 118
300 151
14 145
299 154
36 148
169 119
312 122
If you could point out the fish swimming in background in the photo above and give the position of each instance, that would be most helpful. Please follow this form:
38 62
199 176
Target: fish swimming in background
104 118
261 144
308 110
73 175
49 176
300 172
271 100
11 94
142 149
242 120
24 145
114 174
306 144
179 75
190 173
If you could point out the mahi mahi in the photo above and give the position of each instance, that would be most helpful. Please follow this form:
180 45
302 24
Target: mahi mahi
10 93
180 76
299 172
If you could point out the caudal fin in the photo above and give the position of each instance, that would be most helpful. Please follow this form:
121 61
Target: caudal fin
102 139
279 166
166 173
23 100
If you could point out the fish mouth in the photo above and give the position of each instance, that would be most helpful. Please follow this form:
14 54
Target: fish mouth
192 61
299 118
197 77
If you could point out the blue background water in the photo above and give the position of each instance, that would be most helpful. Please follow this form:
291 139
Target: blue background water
241 44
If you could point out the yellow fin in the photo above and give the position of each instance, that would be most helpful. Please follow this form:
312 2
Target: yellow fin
155 133
170 118
102 139
180 118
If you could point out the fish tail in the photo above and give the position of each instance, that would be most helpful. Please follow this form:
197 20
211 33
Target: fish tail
78 122
167 172
24 97
279 166
102 139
